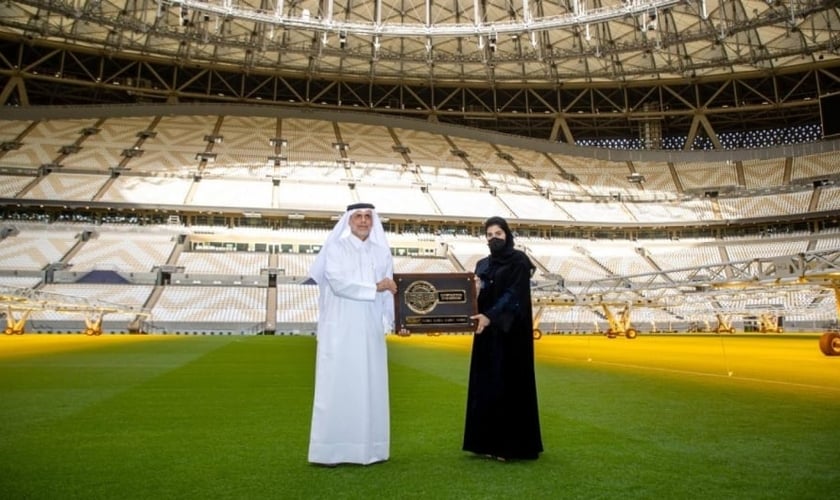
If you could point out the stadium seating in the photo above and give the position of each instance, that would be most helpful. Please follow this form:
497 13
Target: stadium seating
321 166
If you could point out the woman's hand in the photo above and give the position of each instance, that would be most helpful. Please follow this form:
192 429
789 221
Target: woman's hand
482 322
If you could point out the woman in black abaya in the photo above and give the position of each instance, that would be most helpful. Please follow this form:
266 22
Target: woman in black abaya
502 415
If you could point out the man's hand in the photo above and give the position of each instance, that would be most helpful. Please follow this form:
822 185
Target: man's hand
386 284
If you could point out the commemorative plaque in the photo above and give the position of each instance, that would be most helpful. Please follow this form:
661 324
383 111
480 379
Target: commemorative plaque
435 302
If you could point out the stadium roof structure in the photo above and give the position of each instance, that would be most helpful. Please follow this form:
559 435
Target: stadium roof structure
562 70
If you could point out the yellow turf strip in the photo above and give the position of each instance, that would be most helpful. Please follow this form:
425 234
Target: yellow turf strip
21 346
774 362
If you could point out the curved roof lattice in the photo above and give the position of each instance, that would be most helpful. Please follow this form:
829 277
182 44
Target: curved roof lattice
479 41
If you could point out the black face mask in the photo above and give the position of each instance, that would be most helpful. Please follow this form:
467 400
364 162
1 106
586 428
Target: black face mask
496 245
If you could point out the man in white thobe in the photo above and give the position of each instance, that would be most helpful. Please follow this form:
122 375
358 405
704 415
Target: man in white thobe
354 271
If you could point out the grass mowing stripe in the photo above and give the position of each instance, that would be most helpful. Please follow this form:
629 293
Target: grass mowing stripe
232 421
44 377
208 418
679 434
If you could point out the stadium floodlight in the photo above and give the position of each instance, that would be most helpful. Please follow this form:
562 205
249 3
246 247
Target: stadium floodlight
132 152
328 24
205 156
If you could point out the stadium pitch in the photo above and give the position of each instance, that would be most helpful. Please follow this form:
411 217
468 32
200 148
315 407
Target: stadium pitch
125 416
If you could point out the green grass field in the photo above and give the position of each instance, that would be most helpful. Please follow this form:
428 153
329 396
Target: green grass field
122 416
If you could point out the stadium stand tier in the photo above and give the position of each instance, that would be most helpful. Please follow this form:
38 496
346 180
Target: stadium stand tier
241 204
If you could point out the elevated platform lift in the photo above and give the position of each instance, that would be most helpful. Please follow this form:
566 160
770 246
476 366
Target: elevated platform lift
19 303
704 284
620 324
724 323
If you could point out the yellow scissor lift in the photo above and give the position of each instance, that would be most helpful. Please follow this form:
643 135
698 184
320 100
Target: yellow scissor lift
724 323
618 324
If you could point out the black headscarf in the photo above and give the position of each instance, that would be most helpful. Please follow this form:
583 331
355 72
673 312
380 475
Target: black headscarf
503 254
506 254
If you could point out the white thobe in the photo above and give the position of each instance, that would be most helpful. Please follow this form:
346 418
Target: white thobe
350 415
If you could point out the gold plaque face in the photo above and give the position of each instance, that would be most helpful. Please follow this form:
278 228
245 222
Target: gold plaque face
435 302
421 297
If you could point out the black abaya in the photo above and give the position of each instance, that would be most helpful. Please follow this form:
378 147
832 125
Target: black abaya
502 414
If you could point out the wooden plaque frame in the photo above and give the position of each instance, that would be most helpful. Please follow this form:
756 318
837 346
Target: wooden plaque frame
435 302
